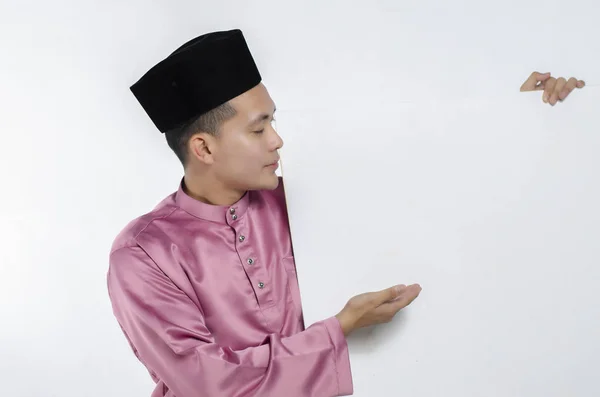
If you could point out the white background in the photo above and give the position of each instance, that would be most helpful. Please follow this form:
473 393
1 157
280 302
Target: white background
410 157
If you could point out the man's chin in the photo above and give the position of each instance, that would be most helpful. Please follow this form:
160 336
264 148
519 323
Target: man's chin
268 183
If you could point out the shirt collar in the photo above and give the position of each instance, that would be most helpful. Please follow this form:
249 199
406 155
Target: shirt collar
217 213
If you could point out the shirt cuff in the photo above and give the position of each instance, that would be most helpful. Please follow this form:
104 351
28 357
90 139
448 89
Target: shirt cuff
342 357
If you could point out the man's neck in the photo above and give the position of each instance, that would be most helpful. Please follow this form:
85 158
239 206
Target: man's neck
209 191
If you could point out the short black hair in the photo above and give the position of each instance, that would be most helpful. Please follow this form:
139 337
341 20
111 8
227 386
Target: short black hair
209 122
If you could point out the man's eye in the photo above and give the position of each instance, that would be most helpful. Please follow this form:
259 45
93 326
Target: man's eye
259 132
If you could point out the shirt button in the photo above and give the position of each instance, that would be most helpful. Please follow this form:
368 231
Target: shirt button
242 238
250 261
261 285
234 217
232 210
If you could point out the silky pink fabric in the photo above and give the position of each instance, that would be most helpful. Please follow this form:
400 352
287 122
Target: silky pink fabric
208 298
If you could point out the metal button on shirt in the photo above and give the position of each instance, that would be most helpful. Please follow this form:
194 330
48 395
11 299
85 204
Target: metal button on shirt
261 285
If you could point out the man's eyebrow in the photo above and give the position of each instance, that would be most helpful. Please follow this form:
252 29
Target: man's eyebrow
262 117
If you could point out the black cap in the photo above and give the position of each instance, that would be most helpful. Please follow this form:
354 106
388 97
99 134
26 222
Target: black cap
199 76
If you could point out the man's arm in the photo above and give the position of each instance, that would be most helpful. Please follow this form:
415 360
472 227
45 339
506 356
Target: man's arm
170 335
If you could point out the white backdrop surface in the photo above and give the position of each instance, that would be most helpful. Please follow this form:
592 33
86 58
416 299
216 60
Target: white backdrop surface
491 206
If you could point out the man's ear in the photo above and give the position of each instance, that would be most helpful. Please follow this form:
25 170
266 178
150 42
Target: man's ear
201 147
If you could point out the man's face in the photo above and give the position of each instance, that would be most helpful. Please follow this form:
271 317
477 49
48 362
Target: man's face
245 151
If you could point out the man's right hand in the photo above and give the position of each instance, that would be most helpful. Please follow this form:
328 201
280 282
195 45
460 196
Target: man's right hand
373 308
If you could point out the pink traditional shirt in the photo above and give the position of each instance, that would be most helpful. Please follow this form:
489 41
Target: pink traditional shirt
208 299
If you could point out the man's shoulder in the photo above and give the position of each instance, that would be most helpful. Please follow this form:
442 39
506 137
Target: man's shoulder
128 236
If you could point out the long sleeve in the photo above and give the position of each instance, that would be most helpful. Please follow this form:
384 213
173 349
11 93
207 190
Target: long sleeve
170 336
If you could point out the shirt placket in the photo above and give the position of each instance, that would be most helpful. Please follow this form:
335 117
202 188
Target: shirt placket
251 261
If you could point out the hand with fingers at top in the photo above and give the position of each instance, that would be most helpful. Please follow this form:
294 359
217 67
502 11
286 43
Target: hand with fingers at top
555 89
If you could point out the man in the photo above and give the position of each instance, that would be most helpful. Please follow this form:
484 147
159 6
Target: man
204 286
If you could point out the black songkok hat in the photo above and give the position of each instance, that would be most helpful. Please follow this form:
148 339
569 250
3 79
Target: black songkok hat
199 76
